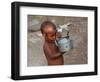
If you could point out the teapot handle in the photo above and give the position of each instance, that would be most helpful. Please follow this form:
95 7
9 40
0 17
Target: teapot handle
56 42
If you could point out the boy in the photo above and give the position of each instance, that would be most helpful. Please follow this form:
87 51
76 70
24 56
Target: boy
51 51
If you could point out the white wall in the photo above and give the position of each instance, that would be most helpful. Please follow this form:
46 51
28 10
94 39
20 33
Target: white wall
5 40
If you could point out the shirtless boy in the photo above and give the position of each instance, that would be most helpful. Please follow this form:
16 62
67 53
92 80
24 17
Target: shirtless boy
51 51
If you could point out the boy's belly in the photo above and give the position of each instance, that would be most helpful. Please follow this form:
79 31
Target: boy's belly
56 61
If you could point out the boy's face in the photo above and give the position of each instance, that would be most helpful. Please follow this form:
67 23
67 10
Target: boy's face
49 33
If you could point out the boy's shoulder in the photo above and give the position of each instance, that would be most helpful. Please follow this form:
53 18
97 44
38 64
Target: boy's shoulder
45 46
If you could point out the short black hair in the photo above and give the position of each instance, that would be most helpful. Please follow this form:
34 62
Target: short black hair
45 23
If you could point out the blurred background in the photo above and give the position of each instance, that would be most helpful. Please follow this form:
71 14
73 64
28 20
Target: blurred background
78 35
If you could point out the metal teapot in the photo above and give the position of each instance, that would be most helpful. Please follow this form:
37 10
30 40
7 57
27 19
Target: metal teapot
64 43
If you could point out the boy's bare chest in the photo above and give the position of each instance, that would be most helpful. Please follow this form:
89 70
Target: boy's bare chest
53 48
